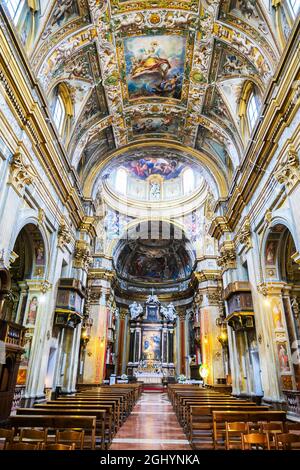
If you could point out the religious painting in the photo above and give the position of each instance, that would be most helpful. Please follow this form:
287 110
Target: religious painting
157 269
155 66
283 357
32 311
277 314
286 382
151 346
152 312
63 11
155 125
39 253
27 349
271 248
144 167
21 377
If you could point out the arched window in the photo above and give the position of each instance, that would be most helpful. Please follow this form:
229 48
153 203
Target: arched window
15 8
188 179
294 6
121 180
252 111
62 109
59 114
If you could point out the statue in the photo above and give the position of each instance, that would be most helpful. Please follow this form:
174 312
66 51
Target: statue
154 191
152 298
169 312
135 310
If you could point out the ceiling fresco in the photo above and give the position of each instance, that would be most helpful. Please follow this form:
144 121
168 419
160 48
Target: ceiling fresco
154 66
156 69
155 261
168 164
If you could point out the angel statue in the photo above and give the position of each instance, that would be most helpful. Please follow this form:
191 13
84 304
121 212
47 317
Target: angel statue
169 312
135 310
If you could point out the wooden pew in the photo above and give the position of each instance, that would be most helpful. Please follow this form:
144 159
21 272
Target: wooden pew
201 418
221 416
110 425
102 433
192 402
114 405
87 423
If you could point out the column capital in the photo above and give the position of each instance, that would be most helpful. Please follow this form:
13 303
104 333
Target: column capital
39 285
82 258
227 258
64 236
21 173
288 171
271 288
88 225
244 236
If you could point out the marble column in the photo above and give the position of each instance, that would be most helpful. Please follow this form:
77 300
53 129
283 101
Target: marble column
211 347
94 365
181 343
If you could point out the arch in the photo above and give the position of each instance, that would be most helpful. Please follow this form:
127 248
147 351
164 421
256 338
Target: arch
28 262
270 246
215 171
166 249
282 302
131 225
31 220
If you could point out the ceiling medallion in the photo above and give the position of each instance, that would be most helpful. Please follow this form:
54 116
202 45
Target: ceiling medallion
154 18
197 77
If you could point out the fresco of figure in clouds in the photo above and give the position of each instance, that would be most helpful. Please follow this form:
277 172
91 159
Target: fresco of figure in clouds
155 66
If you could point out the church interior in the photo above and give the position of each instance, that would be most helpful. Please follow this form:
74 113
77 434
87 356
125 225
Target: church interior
149 225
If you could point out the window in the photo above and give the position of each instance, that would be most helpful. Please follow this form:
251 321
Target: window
14 8
188 181
59 114
252 111
294 7
121 181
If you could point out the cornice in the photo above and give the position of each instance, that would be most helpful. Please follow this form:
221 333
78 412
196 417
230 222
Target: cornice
32 116
218 227
280 105
238 286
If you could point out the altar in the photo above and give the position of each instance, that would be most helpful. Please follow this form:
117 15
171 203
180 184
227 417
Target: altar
151 352
149 377
149 372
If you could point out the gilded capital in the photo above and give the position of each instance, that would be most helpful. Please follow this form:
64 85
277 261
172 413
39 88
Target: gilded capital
82 258
288 172
88 225
218 227
21 173
64 235
244 236
227 258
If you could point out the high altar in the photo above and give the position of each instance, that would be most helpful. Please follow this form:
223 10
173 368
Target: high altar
151 356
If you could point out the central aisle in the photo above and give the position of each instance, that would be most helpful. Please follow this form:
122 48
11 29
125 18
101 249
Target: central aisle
152 425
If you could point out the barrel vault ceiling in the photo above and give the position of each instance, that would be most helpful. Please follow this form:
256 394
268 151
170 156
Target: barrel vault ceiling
146 69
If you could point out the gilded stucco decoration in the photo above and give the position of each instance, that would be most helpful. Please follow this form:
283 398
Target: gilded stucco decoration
170 70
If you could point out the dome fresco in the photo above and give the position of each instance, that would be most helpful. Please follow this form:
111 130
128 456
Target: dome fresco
173 175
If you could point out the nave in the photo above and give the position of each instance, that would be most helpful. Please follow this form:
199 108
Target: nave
152 425
149 223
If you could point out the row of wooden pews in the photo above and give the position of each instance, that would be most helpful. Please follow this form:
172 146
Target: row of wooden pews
204 414
98 411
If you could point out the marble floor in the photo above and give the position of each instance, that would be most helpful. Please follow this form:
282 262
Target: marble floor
152 425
